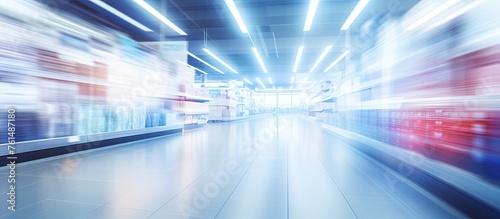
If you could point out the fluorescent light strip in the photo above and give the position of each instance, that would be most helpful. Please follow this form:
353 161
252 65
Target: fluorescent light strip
270 80
313 5
337 60
321 57
463 10
260 82
217 58
432 14
120 15
354 14
192 67
259 59
297 59
158 15
234 10
248 81
202 61
293 79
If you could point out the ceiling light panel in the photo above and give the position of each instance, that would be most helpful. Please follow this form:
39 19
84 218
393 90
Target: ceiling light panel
297 59
321 57
236 14
270 80
218 59
158 15
311 12
256 53
337 60
248 81
203 61
120 15
354 14
292 80
260 82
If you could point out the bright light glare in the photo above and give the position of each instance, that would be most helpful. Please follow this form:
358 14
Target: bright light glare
354 14
313 5
236 14
259 59
321 57
337 60
270 80
292 80
158 15
297 59
260 82
432 14
217 58
248 81
206 63
120 15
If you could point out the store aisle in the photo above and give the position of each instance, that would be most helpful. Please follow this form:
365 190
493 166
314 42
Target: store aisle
270 167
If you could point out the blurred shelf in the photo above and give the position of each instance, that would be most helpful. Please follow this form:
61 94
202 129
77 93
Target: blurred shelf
34 145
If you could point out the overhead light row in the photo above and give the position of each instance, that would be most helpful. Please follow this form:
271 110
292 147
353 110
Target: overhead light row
236 14
297 59
120 15
218 59
354 14
248 81
203 61
256 53
270 80
158 15
337 60
260 82
197 69
321 57
313 5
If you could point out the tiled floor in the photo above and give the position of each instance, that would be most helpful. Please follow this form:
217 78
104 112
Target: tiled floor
271 167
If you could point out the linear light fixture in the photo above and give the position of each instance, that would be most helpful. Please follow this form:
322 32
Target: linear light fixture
259 59
297 59
291 87
270 80
217 58
313 5
292 80
354 14
432 14
206 63
234 10
248 81
158 15
197 69
337 60
120 15
455 14
260 82
321 57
